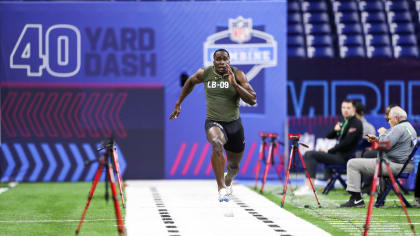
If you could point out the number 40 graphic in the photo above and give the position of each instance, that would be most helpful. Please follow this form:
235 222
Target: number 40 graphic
61 56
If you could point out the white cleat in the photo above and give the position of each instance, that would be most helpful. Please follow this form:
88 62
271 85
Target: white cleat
223 195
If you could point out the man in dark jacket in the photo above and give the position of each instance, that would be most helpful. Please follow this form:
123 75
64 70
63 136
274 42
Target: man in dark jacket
349 134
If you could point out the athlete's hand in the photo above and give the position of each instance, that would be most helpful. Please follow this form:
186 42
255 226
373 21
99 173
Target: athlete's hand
232 79
176 112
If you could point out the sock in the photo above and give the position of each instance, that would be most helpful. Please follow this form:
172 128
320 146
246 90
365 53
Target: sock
355 195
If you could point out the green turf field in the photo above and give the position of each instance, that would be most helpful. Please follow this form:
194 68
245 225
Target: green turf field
348 221
55 209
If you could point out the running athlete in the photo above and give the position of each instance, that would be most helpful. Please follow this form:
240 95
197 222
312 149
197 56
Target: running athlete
224 86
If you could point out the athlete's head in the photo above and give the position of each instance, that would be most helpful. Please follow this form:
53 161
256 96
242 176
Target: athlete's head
387 110
347 109
221 60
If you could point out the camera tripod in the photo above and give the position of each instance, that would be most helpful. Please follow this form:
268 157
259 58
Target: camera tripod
295 148
273 147
381 147
104 164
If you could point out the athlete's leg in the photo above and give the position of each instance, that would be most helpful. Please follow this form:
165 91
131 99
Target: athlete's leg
217 139
234 160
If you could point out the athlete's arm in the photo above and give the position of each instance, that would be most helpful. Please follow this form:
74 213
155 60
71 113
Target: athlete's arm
188 87
245 90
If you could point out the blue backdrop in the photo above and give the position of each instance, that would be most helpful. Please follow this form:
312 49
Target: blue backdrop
71 74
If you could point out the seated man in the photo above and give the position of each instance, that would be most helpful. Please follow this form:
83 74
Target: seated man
402 138
349 134
368 128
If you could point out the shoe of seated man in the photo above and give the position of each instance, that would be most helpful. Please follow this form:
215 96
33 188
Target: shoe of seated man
304 190
416 202
223 195
352 202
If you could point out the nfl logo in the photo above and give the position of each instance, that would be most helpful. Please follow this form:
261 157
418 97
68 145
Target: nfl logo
240 29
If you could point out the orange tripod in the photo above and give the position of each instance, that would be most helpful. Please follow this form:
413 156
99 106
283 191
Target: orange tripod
381 147
295 148
109 146
273 147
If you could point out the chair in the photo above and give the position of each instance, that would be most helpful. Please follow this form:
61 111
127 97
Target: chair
346 17
377 40
404 40
406 51
399 17
295 41
352 51
350 40
314 7
319 40
349 28
396 6
337 171
325 52
379 51
293 18
345 6
297 52
380 201
315 18
371 5
317 29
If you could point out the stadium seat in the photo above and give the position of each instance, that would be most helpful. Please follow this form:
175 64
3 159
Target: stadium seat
319 40
317 29
352 51
380 201
379 51
373 17
378 28
293 7
293 18
402 28
344 6
326 52
377 40
396 5
294 29
315 18
320 6
350 40
371 5
399 17
349 28
298 52
406 51
295 41
346 17
337 171
404 40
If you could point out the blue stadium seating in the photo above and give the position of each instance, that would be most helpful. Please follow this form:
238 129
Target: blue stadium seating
317 29
402 28
349 29
350 40
379 51
326 52
377 40
399 17
406 51
293 18
345 6
346 17
371 5
315 18
396 5
373 17
377 28
296 52
405 40
348 52
295 41
294 29
319 40
314 6
293 7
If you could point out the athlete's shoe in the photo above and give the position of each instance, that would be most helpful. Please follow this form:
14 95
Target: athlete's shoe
223 195
229 189
354 203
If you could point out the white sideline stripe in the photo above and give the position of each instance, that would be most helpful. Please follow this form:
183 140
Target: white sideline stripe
195 210
51 221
